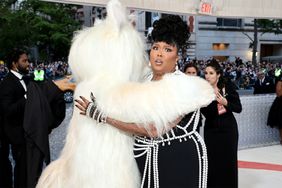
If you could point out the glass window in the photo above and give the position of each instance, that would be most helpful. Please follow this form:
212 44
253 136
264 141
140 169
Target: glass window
229 22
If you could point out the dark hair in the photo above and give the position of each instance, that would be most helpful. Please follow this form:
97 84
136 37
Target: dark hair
172 30
215 65
188 65
14 56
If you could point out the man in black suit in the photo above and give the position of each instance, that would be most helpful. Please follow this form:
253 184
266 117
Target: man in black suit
12 99
263 84
18 117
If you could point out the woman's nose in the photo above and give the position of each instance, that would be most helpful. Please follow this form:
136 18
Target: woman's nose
159 53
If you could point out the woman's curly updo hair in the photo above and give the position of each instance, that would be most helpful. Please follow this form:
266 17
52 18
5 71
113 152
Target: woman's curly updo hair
172 30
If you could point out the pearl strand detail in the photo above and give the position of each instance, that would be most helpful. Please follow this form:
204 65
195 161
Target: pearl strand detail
151 147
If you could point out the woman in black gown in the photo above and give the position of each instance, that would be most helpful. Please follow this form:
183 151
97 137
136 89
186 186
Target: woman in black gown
177 159
275 113
221 130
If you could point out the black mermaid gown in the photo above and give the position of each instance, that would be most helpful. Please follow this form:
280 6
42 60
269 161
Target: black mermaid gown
178 160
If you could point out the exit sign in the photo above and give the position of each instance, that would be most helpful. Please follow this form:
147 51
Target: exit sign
205 8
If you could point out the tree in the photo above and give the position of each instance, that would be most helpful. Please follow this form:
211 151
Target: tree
14 30
263 26
255 42
270 26
6 3
47 26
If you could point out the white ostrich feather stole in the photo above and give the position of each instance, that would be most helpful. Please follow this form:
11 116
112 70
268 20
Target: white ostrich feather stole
109 60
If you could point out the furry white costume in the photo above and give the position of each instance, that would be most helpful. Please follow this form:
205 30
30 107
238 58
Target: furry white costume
109 60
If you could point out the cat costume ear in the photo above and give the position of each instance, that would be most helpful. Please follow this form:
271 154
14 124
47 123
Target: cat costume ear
116 15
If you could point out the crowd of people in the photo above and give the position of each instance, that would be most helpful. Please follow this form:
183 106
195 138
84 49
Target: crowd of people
52 70
242 74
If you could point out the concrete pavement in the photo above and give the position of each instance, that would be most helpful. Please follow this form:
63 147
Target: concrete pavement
260 167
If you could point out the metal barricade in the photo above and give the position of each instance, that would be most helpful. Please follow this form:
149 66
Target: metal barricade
253 131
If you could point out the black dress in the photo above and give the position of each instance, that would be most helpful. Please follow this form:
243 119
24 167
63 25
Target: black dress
275 113
178 160
221 138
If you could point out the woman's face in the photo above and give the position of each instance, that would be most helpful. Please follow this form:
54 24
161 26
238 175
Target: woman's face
211 76
191 71
163 57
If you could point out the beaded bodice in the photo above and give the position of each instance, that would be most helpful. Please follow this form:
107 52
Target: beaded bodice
186 127
181 133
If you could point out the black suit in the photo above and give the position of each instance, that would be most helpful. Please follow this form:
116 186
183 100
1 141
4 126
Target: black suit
12 103
267 86
27 123
44 110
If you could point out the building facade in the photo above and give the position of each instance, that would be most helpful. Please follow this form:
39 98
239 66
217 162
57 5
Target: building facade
227 38
220 38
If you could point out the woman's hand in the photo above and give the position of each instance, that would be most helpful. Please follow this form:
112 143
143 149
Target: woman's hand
220 99
82 104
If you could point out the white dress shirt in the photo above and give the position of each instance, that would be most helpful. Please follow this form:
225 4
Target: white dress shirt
19 76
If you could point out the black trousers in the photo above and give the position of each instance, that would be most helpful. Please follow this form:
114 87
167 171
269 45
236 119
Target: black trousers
35 161
5 164
20 169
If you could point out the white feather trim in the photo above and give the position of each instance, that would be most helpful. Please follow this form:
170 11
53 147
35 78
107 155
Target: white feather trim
160 102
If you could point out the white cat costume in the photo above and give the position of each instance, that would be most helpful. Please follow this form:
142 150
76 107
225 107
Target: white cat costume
109 60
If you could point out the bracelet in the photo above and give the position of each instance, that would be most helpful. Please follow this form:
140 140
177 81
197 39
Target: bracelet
104 118
93 112
89 108
98 118
92 97
96 114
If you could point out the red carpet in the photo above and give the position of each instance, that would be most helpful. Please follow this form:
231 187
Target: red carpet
262 166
